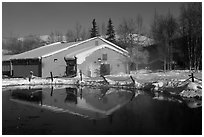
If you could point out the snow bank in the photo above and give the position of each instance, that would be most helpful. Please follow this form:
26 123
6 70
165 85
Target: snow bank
36 81
150 82
192 90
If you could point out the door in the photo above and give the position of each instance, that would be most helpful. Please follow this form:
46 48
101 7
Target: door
105 69
71 68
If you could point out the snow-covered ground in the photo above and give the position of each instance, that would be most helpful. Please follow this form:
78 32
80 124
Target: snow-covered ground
171 81
36 81
139 77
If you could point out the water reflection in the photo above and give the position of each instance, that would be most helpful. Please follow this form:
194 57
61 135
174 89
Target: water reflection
71 95
31 95
98 111
87 102
103 93
51 91
165 96
93 103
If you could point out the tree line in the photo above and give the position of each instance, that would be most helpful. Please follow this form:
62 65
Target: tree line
16 45
178 40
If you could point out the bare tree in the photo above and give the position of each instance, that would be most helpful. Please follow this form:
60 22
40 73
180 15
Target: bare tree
58 36
130 31
55 37
70 37
78 28
163 30
172 27
16 45
139 23
191 27
159 34
51 37
125 30
84 35
77 34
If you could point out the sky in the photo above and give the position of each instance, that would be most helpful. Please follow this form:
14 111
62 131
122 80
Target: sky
22 19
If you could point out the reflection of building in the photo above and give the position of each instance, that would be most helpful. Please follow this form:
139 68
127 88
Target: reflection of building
30 95
92 56
71 95
91 104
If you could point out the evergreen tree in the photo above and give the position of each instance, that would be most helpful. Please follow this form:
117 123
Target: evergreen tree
94 31
110 32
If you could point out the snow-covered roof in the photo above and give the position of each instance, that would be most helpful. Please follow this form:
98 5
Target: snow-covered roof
41 51
112 44
71 46
51 49
6 57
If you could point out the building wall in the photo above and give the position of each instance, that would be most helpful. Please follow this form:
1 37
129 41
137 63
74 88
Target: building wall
91 65
22 67
24 70
6 68
56 63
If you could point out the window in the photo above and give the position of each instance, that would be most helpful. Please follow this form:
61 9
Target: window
104 57
99 60
55 60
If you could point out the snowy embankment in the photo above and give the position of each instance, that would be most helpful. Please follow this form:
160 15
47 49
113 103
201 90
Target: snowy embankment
36 81
173 82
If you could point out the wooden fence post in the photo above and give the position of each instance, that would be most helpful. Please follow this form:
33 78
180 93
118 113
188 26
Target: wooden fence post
80 72
30 76
132 79
105 79
51 76
80 93
51 91
192 77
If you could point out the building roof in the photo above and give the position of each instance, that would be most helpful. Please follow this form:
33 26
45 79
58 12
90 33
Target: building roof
41 51
54 48
6 57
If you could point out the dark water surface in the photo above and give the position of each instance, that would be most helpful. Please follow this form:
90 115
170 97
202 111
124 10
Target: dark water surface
96 111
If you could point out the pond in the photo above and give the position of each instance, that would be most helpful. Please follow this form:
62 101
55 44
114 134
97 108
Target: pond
97 111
